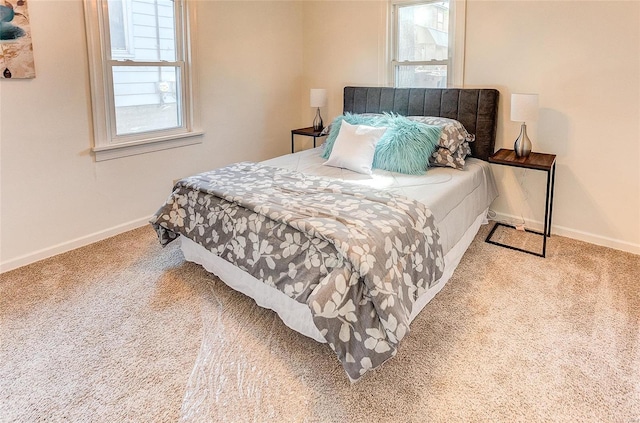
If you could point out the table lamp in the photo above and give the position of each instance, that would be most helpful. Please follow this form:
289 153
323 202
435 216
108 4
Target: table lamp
524 108
318 99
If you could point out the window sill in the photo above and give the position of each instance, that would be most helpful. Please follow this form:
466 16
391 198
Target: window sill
133 148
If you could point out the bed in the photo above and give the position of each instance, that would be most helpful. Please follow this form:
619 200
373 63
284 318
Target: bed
313 263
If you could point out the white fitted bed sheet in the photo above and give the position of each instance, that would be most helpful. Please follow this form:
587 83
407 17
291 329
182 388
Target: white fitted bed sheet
459 200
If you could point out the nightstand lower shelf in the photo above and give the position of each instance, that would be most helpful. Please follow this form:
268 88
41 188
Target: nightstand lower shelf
544 243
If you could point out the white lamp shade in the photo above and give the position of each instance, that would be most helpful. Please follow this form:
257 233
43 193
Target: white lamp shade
318 97
524 107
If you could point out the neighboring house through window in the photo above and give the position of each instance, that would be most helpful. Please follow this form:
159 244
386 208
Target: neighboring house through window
427 42
141 81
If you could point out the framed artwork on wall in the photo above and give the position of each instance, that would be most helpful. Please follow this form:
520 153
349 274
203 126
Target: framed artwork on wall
16 51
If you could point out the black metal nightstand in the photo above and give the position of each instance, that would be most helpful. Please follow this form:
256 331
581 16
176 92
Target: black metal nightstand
536 161
309 132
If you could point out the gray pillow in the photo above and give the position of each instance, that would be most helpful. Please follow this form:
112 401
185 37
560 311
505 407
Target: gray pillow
453 132
445 158
453 146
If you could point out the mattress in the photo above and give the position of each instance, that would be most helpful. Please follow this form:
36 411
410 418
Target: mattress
458 199
455 197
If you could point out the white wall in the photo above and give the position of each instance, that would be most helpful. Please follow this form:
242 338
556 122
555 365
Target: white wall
54 196
344 44
581 57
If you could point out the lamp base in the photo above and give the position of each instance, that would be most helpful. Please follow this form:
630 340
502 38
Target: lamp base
317 121
522 146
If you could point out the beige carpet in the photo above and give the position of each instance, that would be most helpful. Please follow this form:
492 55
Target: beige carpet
123 330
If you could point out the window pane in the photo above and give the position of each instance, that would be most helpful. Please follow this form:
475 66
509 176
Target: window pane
148 25
117 27
146 98
423 32
421 76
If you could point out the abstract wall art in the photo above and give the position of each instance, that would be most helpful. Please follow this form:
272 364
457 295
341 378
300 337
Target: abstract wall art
16 51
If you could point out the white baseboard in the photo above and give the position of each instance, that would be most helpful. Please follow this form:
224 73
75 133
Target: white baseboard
63 247
571 233
44 253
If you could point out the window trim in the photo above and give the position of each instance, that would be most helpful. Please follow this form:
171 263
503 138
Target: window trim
106 143
455 60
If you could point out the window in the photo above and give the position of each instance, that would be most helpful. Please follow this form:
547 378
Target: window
141 83
426 42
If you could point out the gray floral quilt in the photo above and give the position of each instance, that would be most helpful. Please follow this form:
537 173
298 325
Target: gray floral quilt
358 257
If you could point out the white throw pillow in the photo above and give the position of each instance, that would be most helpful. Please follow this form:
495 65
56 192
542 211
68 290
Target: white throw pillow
355 146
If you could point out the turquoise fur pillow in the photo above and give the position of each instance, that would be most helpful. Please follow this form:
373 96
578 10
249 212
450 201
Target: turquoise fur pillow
405 147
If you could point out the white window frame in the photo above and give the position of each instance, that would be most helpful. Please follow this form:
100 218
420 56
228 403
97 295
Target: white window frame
455 61
107 144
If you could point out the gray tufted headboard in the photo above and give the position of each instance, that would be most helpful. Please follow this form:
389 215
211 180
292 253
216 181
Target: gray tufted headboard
476 109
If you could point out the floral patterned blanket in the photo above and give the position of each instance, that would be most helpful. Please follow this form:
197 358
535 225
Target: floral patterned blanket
358 257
